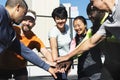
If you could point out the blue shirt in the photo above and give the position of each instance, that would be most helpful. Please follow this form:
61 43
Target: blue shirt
7 34
8 40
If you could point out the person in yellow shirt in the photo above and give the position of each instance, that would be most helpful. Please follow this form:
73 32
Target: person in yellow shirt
17 64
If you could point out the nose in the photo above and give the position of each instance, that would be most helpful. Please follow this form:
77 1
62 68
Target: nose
61 20
27 22
76 27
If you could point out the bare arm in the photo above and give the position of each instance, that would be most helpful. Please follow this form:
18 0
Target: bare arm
49 59
47 54
53 46
81 48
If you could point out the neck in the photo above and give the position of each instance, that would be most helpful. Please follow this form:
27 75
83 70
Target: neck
10 12
111 5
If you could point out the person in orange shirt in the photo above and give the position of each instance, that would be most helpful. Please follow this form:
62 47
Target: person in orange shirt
17 64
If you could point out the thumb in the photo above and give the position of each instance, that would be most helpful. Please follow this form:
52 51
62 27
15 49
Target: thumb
58 60
54 75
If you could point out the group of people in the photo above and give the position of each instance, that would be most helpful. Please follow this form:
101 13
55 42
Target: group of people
13 42
106 30
17 42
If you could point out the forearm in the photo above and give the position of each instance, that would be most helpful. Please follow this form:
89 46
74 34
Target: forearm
47 54
86 45
29 55
81 48
54 54
34 58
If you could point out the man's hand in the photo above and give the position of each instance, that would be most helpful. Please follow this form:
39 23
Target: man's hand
68 64
64 65
53 71
62 58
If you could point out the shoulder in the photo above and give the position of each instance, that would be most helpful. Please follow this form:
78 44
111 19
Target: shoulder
2 9
53 32
67 27
17 29
2 12
54 29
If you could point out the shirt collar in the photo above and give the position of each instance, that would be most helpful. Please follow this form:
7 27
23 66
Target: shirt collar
114 8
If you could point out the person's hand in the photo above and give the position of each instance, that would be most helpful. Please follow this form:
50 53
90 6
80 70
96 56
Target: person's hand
53 64
68 64
62 58
53 71
64 65
61 67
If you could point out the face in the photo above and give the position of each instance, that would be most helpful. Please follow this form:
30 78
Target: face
60 23
79 26
100 4
27 24
92 16
19 13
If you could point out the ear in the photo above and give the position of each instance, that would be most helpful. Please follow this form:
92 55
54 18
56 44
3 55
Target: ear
17 7
34 24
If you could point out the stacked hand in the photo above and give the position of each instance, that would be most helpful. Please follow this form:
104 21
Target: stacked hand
62 65
62 59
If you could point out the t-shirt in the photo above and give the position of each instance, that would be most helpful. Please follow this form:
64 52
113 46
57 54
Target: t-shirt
8 40
16 61
7 34
112 24
63 39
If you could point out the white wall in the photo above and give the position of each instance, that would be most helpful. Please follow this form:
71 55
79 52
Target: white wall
43 24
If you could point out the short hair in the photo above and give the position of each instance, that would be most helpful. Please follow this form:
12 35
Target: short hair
98 14
13 3
60 12
90 9
81 18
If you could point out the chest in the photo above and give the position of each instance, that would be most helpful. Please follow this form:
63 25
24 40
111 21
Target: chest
63 39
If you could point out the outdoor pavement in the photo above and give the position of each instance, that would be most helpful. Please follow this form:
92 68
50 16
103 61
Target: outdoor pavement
71 77
36 73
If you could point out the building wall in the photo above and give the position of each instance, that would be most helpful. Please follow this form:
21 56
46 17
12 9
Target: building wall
43 24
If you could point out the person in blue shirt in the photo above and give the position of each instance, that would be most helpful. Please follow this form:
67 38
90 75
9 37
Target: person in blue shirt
13 12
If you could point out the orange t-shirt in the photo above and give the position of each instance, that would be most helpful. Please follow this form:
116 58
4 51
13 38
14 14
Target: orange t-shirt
10 61
29 39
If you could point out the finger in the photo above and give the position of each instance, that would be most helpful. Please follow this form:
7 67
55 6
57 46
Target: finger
54 75
59 59
63 70
54 64
60 65
66 68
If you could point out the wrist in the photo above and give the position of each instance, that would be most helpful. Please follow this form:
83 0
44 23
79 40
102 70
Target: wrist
68 56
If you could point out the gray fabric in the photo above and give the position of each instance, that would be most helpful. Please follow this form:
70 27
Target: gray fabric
112 24
88 61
